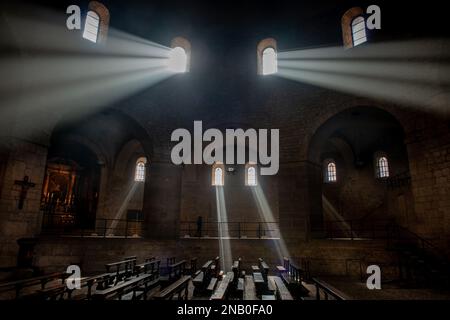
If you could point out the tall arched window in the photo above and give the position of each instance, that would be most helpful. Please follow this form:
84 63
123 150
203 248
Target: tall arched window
250 175
353 27
218 172
139 173
359 31
97 22
269 58
266 53
330 171
382 166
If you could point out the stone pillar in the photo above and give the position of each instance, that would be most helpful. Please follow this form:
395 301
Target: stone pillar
300 202
162 199
20 158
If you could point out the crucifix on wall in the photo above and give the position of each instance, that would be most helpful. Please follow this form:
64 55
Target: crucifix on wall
25 184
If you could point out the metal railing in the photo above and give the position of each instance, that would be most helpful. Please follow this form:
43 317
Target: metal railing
239 230
60 224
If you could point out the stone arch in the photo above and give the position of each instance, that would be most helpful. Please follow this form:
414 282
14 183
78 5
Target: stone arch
352 137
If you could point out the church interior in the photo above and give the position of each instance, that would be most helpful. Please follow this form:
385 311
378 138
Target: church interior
342 191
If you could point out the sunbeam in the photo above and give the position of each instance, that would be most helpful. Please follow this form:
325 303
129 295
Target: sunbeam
60 73
413 73
123 207
266 214
224 237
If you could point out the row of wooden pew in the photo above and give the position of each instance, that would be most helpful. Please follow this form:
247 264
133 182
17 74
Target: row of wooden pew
237 284
128 280
124 279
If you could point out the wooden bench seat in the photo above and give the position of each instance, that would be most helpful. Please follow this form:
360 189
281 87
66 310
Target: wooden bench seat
212 284
281 289
223 288
249 289
179 288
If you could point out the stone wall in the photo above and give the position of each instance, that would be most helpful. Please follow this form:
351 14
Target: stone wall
326 257
23 159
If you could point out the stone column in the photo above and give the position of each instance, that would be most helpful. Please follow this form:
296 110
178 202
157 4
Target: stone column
300 202
162 199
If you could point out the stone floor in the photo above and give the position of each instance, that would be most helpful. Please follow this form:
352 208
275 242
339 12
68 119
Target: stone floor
389 291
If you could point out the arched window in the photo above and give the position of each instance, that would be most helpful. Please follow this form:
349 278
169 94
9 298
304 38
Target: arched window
330 171
269 58
266 52
180 56
250 175
97 22
353 27
382 167
139 173
177 60
359 31
91 26
218 176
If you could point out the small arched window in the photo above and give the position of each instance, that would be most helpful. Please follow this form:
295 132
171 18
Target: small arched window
250 175
359 31
139 173
177 60
180 56
330 172
269 59
97 22
218 172
91 26
382 167
266 52
353 27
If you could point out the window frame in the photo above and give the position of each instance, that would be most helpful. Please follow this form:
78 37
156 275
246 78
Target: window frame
140 170
330 177
214 168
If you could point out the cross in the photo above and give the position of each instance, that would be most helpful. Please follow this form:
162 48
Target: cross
25 184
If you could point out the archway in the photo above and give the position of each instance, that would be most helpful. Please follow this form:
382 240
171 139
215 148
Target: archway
356 200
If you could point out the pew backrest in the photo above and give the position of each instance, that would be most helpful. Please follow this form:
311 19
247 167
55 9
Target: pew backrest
19 285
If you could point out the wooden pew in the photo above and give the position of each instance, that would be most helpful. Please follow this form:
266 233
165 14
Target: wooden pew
284 268
150 266
202 277
136 288
212 284
176 270
260 284
236 268
99 283
222 290
19 285
281 290
123 269
328 291
264 268
249 289
192 268
290 272
215 268
179 287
